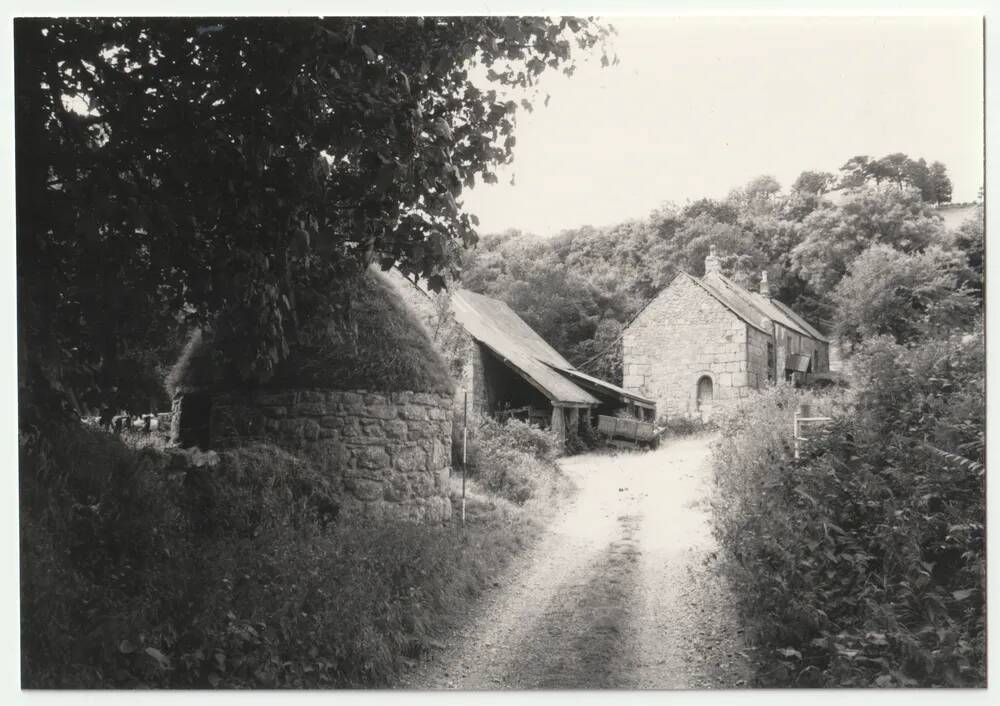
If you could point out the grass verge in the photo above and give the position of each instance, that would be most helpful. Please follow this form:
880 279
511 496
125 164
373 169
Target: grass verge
137 574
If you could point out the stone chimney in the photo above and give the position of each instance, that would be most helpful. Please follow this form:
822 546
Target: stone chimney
712 263
741 278
765 288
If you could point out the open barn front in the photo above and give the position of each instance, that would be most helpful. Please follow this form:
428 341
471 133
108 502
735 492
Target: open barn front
510 396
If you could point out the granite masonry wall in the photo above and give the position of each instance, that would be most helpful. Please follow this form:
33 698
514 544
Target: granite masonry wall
473 381
391 452
683 335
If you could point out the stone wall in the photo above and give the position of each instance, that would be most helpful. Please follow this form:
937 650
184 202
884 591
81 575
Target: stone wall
390 451
683 335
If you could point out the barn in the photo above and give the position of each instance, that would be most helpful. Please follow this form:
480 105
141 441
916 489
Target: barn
509 370
703 343
503 368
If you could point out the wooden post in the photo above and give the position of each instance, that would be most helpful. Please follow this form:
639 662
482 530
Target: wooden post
559 424
465 443
795 433
573 423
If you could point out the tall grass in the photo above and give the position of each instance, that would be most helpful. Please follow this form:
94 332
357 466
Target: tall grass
138 574
516 460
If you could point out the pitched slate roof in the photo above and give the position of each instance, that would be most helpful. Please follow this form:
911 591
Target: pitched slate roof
753 308
496 326
739 305
762 306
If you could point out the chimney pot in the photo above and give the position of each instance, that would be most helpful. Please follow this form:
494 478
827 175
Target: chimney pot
765 288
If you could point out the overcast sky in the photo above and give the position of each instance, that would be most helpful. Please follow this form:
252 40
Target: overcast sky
698 106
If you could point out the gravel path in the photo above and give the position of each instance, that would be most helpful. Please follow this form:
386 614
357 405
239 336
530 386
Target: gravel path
615 594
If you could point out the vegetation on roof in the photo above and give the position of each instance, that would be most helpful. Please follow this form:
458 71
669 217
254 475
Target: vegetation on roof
363 337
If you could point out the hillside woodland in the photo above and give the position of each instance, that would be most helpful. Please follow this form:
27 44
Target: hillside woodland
579 288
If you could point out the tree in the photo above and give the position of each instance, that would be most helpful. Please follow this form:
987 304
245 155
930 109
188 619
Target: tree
894 168
932 182
938 184
721 211
909 296
695 239
807 194
918 175
813 183
757 196
970 240
220 172
835 236
856 171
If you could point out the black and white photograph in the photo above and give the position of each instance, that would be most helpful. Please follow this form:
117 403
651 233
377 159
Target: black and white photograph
497 352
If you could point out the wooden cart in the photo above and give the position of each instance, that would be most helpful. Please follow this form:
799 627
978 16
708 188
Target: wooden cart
627 433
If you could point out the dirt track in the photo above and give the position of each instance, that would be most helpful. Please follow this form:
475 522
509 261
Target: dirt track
616 594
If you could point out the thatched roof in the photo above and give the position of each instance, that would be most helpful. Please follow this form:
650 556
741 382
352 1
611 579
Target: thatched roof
380 346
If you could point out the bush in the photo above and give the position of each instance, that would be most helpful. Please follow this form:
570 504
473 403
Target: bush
514 459
862 564
520 436
138 571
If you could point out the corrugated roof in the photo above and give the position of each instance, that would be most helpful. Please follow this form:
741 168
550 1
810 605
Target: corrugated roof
495 325
607 386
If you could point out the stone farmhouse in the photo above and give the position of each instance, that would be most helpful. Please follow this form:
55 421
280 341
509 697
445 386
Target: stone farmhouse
702 343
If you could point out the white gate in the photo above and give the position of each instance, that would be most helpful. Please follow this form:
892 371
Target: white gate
805 419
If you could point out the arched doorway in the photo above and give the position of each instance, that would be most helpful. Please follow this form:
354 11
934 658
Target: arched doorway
704 396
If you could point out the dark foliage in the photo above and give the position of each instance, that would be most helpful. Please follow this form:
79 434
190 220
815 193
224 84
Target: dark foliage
137 574
863 564
345 346
514 459
211 170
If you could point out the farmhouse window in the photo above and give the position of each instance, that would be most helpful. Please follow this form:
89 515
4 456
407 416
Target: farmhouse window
770 362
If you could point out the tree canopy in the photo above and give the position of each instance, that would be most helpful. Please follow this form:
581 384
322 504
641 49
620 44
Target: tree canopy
931 181
907 296
580 288
835 236
214 172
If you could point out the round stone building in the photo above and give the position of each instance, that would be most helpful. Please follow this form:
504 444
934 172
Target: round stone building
368 400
